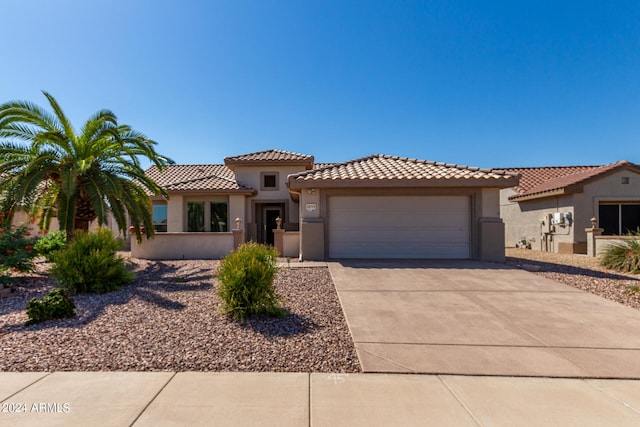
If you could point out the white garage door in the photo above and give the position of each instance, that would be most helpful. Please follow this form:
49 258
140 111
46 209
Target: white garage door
399 227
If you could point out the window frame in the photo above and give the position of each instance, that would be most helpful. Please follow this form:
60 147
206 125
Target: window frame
166 217
276 178
207 214
620 217
211 216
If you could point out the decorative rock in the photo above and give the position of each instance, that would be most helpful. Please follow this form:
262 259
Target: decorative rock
168 320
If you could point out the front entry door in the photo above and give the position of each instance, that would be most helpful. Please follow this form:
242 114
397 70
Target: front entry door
270 215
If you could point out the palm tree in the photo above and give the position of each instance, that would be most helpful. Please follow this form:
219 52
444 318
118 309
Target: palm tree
49 169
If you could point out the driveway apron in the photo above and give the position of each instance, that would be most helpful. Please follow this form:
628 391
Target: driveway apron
475 318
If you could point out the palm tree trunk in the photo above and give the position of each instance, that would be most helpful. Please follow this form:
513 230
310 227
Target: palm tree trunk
85 213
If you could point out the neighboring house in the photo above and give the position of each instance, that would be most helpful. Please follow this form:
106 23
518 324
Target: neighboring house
552 206
374 207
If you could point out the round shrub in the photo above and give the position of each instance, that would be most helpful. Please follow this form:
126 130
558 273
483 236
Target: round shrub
90 264
55 305
245 279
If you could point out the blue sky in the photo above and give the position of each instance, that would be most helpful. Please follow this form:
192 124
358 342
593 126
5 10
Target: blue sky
482 83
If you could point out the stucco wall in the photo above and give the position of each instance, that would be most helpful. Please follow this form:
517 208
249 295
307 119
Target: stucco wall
175 213
524 220
291 244
236 210
252 176
608 188
20 217
184 246
602 242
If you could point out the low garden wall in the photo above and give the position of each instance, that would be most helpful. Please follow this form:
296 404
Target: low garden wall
184 246
601 242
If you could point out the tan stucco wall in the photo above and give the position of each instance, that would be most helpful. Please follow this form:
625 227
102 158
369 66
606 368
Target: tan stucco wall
184 246
252 176
608 188
490 202
291 244
523 220
20 217
175 213
237 210
602 242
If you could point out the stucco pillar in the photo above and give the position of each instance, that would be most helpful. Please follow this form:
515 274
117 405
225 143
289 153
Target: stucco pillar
237 207
175 214
238 234
491 235
591 240
278 240
312 239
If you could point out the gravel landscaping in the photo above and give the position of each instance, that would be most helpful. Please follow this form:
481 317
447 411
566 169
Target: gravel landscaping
168 320
580 271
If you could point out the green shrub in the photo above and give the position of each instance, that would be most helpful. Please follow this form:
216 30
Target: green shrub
90 264
55 305
246 282
51 243
623 256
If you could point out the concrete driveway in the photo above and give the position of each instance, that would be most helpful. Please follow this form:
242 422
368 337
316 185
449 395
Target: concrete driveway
474 318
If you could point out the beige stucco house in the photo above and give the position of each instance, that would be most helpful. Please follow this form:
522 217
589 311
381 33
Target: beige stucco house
373 207
552 207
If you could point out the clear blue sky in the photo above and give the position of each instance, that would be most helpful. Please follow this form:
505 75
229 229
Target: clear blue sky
490 84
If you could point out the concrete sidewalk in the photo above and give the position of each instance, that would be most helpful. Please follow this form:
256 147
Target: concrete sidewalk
319 399
474 318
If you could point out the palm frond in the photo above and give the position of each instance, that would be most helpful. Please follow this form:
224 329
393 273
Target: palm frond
28 112
61 117
60 172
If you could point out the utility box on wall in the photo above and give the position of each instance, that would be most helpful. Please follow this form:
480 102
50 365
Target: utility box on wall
558 218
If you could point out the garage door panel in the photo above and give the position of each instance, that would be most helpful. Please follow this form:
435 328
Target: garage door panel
403 235
399 227
354 219
404 251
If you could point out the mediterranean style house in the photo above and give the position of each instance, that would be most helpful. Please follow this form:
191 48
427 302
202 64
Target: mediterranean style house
556 209
373 207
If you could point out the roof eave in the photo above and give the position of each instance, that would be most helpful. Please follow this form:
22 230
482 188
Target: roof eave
371 183
541 195
232 164
250 192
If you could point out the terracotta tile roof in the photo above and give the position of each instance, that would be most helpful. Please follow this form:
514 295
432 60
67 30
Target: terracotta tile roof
545 181
197 178
270 156
322 165
381 167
